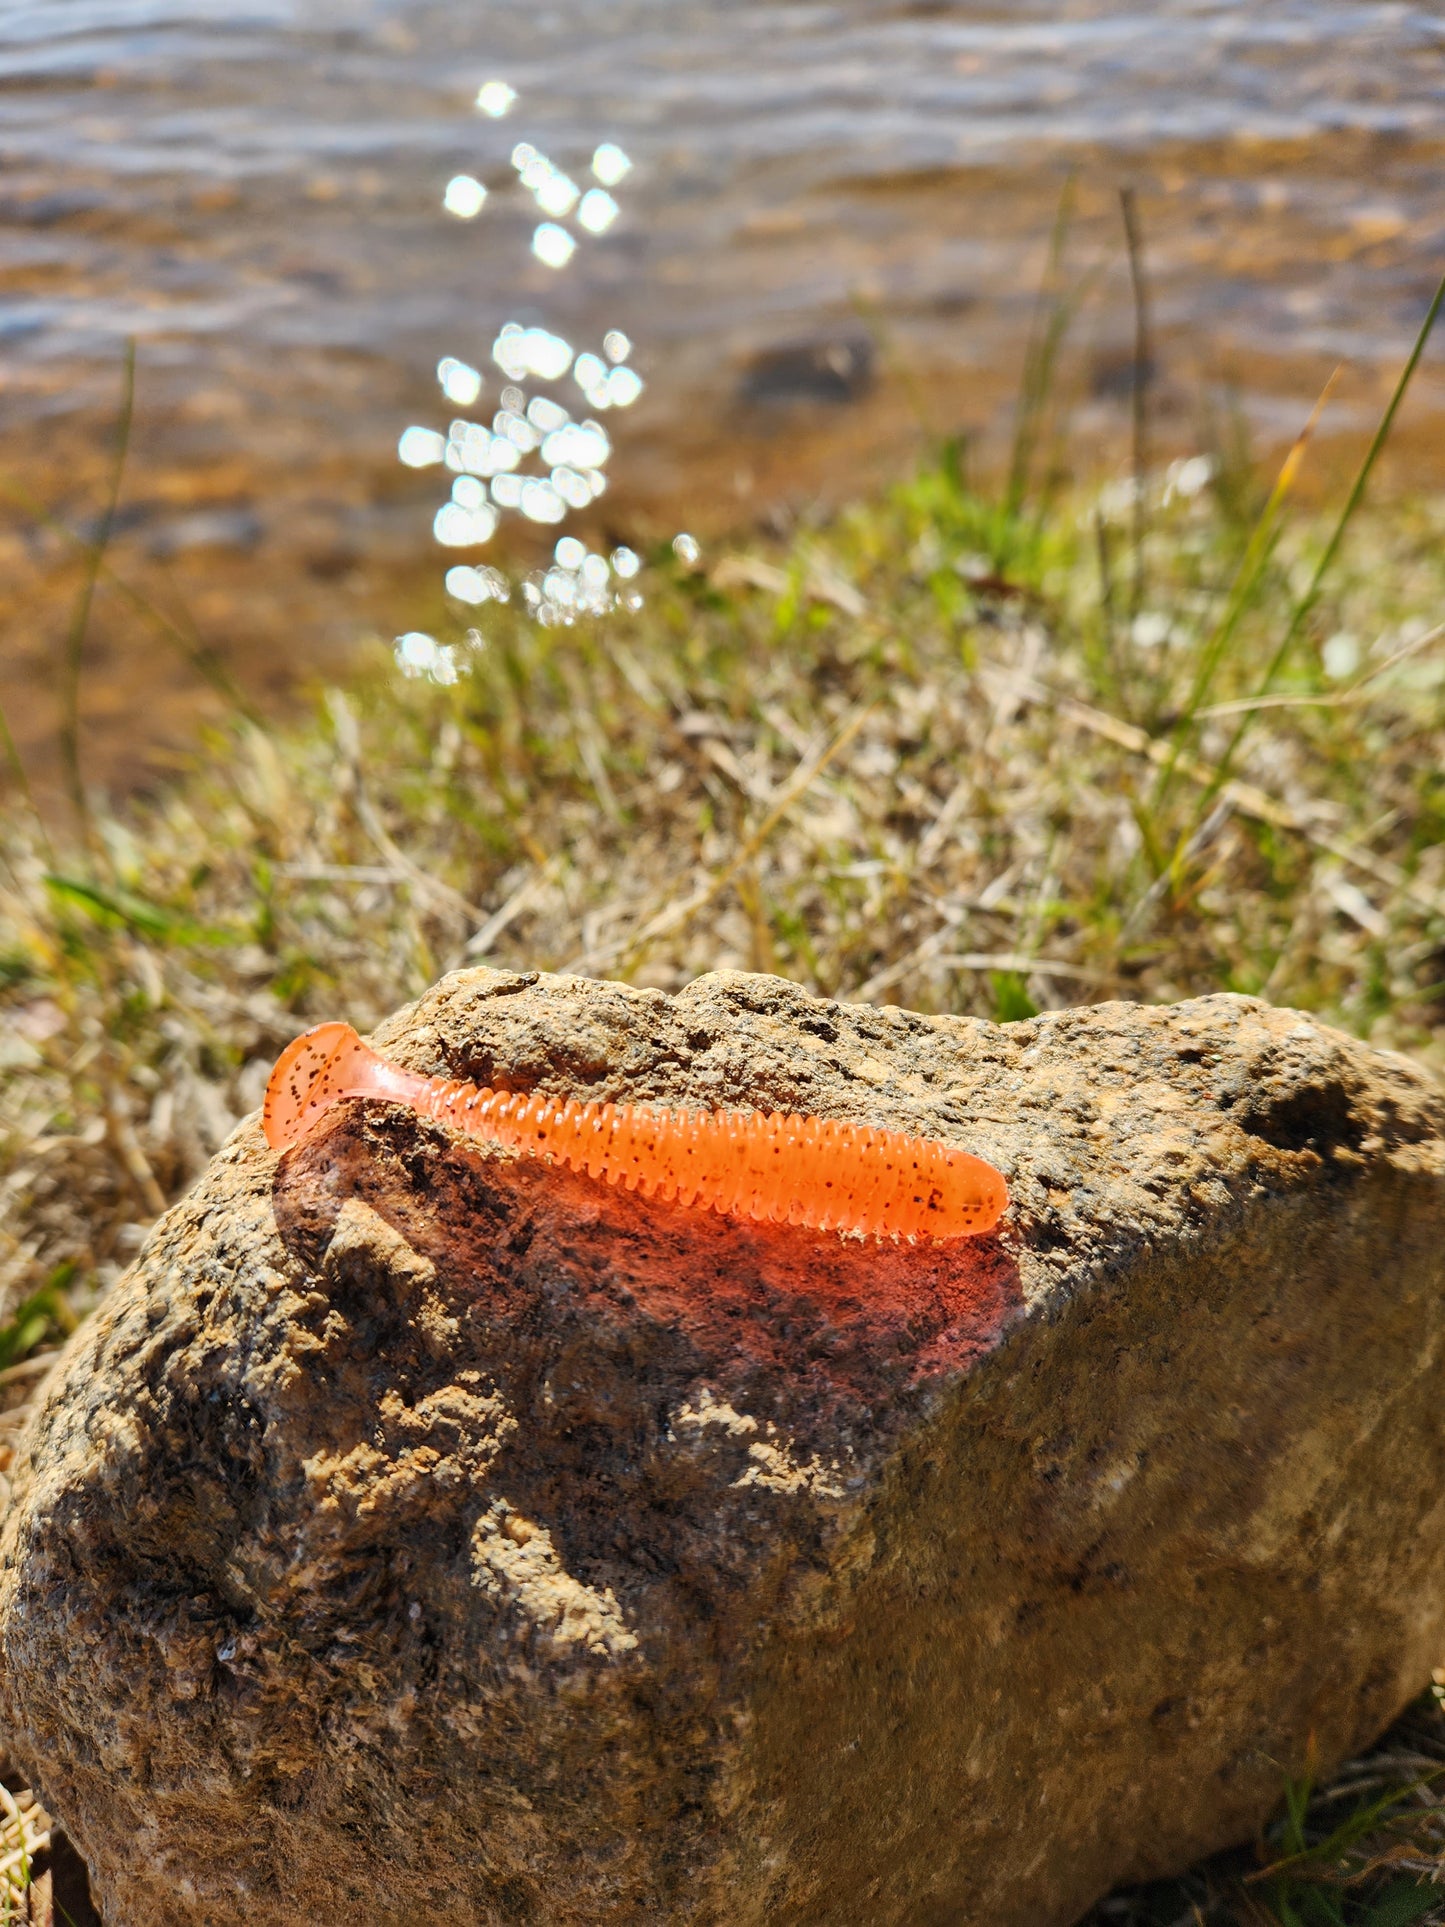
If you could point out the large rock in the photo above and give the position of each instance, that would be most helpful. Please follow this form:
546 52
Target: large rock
422 1534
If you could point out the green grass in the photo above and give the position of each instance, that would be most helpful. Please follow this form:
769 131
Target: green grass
962 750
1366 1849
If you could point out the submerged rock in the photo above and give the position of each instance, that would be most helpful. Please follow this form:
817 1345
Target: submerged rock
418 1532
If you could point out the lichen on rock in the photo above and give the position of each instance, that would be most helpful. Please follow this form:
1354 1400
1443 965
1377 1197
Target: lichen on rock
421 1531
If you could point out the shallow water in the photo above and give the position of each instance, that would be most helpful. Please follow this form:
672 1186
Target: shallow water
829 242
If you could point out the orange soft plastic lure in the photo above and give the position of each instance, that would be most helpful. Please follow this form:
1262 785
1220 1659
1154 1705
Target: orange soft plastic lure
783 1170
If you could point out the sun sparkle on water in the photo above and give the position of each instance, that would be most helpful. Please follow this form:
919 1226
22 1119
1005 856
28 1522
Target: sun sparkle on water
486 459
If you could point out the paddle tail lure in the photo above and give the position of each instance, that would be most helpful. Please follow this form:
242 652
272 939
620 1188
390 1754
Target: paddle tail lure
786 1170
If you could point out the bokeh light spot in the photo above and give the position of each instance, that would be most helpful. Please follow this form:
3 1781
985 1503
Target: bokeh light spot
465 197
553 245
495 98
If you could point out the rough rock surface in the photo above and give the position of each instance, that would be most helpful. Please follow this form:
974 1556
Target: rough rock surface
419 1533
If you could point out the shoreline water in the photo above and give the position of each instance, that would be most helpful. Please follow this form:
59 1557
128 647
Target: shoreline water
877 186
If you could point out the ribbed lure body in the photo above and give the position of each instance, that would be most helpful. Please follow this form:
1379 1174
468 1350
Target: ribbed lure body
785 1170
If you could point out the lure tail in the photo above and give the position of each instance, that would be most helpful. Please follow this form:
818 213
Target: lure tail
318 1070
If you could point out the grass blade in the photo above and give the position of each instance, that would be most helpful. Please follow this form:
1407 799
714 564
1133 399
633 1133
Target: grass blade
183 637
22 781
80 617
1143 370
1306 603
1244 591
1051 318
